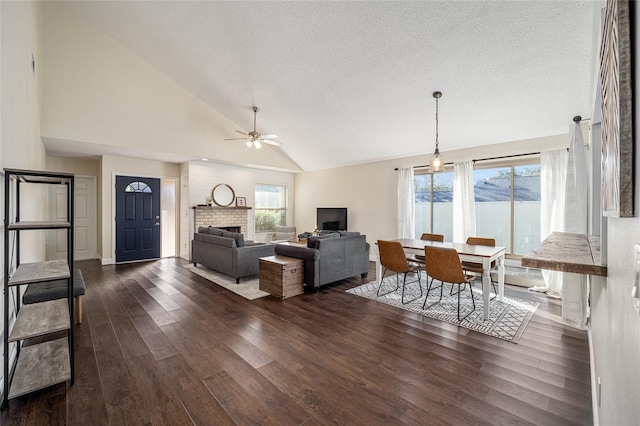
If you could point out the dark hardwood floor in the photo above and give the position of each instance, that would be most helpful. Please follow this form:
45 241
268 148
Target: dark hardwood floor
161 345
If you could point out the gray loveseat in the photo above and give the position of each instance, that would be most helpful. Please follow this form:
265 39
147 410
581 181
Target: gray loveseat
227 252
329 258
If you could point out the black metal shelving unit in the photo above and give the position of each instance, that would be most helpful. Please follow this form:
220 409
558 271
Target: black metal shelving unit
40 365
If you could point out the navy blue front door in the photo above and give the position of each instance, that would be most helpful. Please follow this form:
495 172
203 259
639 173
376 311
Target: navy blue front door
137 218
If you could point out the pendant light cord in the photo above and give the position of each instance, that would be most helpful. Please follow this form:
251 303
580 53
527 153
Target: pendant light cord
437 150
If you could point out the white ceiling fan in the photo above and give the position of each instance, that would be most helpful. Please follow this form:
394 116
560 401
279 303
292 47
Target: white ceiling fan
256 138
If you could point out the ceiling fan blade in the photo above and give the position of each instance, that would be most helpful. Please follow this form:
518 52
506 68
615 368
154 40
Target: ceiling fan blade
242 133
270 136
270 142
237 139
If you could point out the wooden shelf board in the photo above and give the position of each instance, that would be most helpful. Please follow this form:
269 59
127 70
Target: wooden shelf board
40 366
38 319
567 252
22 225
40 271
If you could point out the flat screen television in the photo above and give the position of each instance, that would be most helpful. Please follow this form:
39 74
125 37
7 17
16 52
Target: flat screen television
331 218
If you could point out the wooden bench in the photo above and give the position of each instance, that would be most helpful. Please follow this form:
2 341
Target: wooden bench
52 290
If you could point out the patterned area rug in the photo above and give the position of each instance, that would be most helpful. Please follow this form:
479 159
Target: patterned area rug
507 321
249 287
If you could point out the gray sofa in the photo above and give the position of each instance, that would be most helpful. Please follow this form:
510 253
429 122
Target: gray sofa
331 257
227 252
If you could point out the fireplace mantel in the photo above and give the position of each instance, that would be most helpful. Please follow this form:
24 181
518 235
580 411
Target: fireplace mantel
220 208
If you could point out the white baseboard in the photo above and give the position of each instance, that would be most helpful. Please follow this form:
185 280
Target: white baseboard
107 261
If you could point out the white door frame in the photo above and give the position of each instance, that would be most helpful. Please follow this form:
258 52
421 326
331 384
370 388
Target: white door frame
113 208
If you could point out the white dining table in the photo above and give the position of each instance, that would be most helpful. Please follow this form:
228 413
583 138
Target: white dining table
467 252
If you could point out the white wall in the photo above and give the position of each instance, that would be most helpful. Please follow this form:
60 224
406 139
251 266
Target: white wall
98 92
186 213
20 144
79 166
369 191
204 176
615 326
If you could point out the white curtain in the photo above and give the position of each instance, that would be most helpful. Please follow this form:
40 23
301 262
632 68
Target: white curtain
553 178
576 196
574 286
406 204
464 205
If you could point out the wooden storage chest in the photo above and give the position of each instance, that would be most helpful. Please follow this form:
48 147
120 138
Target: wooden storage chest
281 276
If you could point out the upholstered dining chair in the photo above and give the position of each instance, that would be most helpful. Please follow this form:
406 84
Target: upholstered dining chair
443 264
419 258
476 268
394 259
432 237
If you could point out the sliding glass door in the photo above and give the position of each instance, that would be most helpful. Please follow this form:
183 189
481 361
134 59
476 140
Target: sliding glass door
492 190
507 200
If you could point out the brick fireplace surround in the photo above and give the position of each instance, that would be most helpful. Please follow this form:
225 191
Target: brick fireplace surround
222 217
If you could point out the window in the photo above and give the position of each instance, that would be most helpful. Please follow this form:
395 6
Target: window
507 205
271 207
434 217
138 187
492 191
526 209
422 190
443 205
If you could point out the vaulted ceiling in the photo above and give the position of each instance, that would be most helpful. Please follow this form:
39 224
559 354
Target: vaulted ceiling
344 83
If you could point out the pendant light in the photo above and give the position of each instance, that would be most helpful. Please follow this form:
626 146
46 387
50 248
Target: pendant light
436 164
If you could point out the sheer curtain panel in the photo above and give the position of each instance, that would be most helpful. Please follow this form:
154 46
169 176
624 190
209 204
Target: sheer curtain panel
574 286
406 203
553 178
464 206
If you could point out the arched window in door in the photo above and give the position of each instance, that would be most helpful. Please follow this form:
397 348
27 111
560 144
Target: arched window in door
138 187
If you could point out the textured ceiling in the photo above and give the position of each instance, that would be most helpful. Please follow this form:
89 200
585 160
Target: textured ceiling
351 82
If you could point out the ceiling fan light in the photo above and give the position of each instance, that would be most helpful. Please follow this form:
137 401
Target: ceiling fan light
257 144
249 144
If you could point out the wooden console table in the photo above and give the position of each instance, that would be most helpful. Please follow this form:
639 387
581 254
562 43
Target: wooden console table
567 252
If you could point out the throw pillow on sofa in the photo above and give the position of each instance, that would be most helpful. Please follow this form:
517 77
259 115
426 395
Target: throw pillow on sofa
348 233
312 241
236 236
215 231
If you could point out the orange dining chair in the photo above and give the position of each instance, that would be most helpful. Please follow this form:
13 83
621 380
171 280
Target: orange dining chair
443 264
419 258
476 268
394 259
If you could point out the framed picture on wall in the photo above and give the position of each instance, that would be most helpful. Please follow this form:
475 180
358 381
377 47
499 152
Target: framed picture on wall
241 202
616 80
